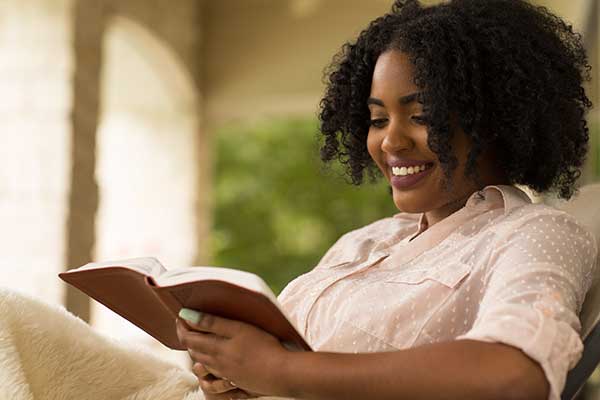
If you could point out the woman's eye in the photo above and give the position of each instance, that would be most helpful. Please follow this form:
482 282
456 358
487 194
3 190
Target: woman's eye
419 119
378 122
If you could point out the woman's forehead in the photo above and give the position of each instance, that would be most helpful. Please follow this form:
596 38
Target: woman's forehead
393 75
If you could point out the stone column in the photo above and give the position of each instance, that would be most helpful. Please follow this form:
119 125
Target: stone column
88 17
35 75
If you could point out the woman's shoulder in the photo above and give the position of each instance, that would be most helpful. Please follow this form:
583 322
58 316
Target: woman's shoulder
542 230
536 216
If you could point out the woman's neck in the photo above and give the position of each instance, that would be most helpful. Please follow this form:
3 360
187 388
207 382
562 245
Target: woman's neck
435 216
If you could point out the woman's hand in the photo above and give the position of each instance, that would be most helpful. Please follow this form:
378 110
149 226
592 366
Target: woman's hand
238 352
215 388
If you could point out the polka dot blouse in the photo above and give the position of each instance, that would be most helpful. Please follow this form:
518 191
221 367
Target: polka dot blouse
501 269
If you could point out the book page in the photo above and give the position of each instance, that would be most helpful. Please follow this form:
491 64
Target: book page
146 265
244 279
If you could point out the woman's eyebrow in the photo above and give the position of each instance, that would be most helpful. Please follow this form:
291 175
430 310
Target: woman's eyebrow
409 98
375 101
403 100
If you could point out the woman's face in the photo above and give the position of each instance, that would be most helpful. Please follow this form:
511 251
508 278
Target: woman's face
397 142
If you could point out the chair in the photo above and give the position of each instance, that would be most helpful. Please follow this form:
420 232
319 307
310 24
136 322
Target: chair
586 208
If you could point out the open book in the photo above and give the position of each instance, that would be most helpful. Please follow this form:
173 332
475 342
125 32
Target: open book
150 296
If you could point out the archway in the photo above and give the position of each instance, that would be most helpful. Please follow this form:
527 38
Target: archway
146 160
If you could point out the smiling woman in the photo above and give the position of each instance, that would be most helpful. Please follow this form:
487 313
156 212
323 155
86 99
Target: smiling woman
471 290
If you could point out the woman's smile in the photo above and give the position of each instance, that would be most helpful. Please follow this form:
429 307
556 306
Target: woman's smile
403 178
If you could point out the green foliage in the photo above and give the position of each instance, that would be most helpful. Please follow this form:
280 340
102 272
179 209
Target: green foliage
277 210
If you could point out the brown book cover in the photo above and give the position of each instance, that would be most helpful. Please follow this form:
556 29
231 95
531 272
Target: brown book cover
142 291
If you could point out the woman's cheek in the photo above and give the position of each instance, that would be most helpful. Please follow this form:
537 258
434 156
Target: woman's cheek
371 145
374 149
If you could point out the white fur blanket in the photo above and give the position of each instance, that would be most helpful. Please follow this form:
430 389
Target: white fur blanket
47 353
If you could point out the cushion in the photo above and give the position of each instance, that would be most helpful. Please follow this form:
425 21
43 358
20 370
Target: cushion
585 206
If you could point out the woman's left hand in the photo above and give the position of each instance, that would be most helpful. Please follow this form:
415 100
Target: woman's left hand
236 351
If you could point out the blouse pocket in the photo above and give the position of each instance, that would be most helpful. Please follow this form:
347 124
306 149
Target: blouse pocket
396 307
449 275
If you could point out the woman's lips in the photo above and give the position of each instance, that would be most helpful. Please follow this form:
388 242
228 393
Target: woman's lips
407 181
405 162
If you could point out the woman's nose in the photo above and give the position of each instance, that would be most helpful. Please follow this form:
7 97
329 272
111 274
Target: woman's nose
395 140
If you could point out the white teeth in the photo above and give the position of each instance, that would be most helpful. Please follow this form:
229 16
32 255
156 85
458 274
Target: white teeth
403 171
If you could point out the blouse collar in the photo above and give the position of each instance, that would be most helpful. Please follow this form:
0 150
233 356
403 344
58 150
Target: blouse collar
490 197
425 238
499 196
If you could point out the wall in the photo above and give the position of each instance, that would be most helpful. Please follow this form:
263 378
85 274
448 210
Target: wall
35 76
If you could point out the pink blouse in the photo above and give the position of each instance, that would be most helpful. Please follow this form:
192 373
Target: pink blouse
501 269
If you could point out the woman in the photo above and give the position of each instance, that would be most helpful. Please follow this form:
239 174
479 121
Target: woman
470 291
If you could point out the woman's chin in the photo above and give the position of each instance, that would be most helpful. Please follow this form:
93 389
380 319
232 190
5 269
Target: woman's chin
411 202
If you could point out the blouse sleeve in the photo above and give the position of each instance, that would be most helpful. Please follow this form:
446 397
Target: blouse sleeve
536 282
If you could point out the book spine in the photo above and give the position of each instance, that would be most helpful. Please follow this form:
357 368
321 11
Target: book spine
165 297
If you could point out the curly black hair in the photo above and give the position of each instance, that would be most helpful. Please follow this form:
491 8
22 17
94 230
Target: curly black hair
511 72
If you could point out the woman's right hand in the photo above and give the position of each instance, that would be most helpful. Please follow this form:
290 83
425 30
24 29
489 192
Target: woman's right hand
215 388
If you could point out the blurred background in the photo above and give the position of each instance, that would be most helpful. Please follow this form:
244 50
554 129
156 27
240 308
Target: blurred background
184 130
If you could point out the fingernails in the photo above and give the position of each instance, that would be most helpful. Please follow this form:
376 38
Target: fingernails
190 315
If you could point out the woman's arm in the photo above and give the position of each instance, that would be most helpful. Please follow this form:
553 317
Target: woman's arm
462 369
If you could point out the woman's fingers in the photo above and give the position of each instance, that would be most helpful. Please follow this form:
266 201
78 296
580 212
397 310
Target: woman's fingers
234 394
216 385
200 342
200 370
203 322
209 382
